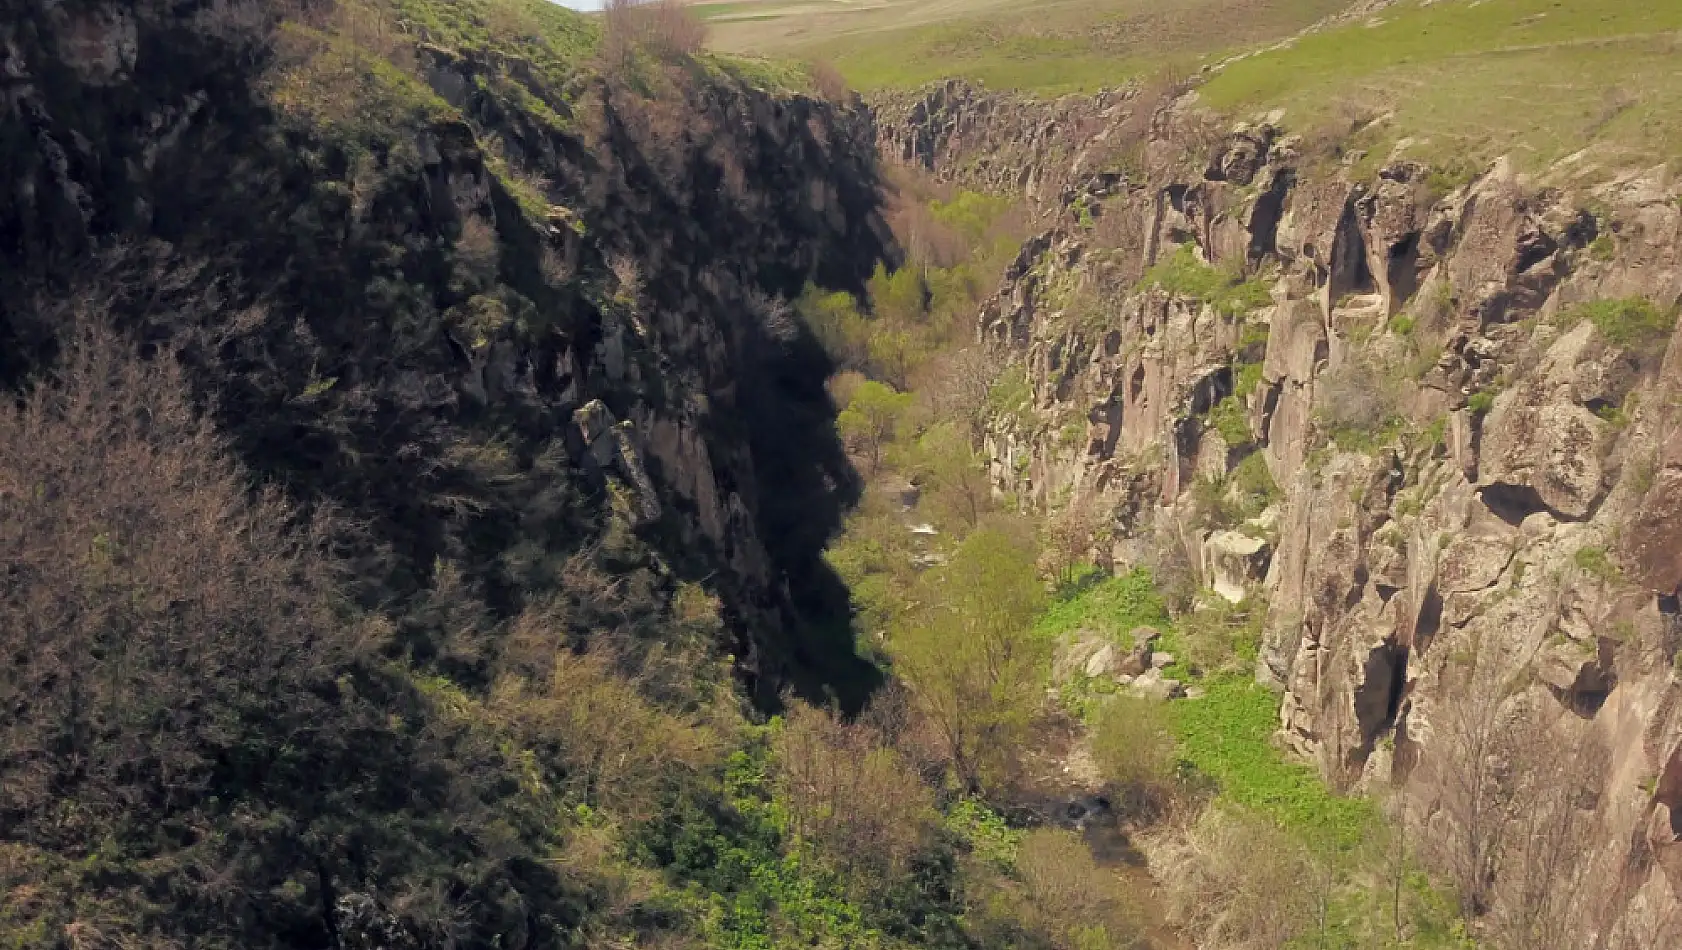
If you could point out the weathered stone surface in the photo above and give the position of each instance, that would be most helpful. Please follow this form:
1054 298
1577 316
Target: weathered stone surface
1390 562
1232 561
1472 564
1154 685
1551 450
1105 662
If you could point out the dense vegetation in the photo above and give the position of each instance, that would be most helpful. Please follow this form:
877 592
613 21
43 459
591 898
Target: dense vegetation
321 628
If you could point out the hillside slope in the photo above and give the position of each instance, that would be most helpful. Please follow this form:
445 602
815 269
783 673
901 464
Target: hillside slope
504 406
1049 48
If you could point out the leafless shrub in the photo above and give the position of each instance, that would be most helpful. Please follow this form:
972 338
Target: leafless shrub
1071 534
325 71
1073 901
1357 396
733 177
866 811
1238 882
627 276
1133 748
1652 919
663 125
925 238
150 604
1119 226
237 20
662 28
1474 733
953 386
1127 147
1513 814
1330 138
556 269
774 315
619 751
1544 890
828 82
511 19
477 248
1173 564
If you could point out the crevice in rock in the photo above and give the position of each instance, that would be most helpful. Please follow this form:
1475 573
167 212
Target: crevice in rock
1270 404
1511 503
1349 271
1210 390
1177 196
1670 622
1187 433
1110 414
1597 405
1378 699
1429 621
1265 217
1669 791
1402 271
1593 685
1534 248
1406 756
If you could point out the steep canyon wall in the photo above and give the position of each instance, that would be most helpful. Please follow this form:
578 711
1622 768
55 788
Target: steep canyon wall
1464 388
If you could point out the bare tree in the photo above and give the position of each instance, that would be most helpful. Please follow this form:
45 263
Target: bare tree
1071 534
663 28
856 800
953 387
1544 895
1475 733
143 589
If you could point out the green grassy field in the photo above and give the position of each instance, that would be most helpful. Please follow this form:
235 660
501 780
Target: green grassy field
1537 79
1047 47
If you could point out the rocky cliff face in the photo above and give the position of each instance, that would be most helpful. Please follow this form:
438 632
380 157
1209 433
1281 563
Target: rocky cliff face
1470 551
505 316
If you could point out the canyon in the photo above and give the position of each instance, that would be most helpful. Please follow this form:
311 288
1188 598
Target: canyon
497 322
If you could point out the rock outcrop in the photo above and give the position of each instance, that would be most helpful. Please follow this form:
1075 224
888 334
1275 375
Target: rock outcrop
1476 482
488 309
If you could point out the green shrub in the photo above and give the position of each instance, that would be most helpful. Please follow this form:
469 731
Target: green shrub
1226 736
1133 741
1181 273
1402 325
1436 433
1114 607
1594 561
985 833
1010 395
1481 401
1246 379
1229 418
1255 482
1442 180
1634 323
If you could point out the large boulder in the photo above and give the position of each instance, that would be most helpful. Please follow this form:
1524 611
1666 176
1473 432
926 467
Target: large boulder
1233 561
1541 456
